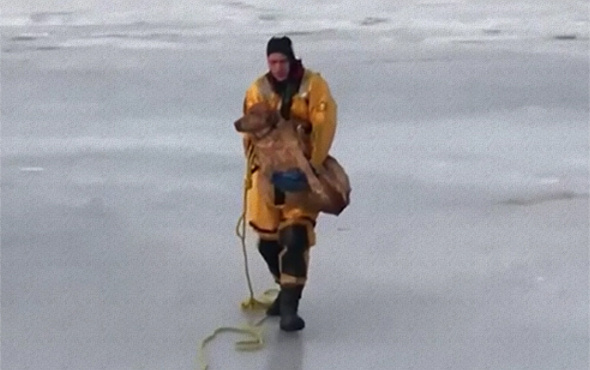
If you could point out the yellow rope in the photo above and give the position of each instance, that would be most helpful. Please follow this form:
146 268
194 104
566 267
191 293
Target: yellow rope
251 303
254 343
254 331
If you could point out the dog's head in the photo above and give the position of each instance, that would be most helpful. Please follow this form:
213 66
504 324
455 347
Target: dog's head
259 118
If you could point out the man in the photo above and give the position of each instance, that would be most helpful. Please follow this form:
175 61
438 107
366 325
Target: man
286 233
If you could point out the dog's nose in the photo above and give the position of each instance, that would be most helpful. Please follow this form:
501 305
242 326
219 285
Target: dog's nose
238 125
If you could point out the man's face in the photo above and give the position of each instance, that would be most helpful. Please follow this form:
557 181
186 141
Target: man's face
278 65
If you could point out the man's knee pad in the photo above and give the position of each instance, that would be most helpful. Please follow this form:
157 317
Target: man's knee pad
270 250
295 241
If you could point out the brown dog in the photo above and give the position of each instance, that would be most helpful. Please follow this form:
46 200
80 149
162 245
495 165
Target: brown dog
280 145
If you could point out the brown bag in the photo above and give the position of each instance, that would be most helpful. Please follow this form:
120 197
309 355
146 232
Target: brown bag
335 190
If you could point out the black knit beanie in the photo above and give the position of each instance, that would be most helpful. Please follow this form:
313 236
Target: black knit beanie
281 45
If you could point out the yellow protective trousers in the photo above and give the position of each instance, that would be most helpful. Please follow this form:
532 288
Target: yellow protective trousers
269 221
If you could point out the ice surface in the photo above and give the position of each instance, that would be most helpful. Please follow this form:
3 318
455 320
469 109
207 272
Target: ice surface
463 126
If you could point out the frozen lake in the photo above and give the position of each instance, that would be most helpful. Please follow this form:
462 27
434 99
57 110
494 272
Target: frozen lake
463 126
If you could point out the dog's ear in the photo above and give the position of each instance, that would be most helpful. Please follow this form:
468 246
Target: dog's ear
272 118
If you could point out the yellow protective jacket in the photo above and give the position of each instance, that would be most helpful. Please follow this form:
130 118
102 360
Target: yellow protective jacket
313 102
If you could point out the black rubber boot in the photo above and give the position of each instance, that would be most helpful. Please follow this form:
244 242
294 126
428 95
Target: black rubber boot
270 250
289 304
294 239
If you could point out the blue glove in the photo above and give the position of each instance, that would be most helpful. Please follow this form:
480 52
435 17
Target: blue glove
293 180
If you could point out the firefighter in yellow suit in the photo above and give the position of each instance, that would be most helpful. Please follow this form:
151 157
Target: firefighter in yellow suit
287 233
